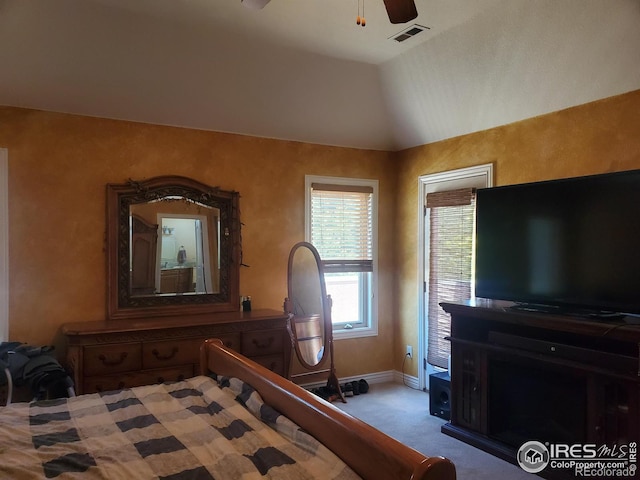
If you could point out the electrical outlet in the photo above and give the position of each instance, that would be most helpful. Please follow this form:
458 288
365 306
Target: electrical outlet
409 351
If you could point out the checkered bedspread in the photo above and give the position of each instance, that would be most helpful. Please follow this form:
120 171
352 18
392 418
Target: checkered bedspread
196 429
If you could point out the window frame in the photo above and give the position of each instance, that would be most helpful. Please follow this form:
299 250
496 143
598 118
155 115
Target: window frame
370 326
479 176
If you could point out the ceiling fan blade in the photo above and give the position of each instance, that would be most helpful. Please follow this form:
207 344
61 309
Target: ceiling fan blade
401 11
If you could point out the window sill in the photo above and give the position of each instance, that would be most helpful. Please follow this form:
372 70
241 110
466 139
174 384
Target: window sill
355 333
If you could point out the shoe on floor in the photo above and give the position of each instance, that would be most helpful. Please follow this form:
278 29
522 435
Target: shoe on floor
363 386
356 387
347 389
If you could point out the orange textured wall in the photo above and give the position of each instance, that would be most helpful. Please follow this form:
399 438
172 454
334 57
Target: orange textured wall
598 137
59 165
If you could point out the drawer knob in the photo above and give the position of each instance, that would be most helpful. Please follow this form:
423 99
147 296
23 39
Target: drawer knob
156 354
269 342
112 363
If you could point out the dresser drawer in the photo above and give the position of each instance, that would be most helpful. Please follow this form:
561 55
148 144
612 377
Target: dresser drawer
171 352
262 342
272 362
231 340
179 352
106 359
105 383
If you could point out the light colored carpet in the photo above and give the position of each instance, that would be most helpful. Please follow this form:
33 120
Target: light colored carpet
403 413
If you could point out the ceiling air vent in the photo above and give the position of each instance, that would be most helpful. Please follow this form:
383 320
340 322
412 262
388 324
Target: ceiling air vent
407 33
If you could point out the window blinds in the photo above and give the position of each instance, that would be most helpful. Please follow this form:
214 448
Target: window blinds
341 226
452 220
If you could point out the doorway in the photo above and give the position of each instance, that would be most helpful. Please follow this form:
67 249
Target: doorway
4 244
480 176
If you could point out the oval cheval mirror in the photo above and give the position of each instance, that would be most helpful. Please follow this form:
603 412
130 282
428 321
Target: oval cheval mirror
309 309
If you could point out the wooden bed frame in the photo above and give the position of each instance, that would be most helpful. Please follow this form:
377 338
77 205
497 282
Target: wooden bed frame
369 452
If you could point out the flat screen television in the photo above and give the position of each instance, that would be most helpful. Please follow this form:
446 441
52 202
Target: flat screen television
570 244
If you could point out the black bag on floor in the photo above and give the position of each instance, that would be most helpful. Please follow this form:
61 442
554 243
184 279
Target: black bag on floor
37 368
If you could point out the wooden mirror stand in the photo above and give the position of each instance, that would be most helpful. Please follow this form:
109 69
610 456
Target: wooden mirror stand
309 310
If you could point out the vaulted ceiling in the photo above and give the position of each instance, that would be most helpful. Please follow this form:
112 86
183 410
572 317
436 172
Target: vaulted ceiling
303 70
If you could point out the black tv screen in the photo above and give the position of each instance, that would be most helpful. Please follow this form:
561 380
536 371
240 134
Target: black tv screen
571 243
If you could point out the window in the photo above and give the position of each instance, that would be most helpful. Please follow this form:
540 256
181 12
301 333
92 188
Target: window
452 220
341 222
478 176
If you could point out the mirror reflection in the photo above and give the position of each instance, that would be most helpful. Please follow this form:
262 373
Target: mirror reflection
307 304
174 247
309 309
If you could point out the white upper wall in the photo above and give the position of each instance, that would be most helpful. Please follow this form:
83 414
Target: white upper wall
205 64
516 60
82 57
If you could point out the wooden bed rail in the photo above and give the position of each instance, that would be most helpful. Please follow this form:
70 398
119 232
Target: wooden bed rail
369 452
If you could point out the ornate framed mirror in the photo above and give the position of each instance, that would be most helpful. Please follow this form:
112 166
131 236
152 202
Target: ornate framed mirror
309 309
173 248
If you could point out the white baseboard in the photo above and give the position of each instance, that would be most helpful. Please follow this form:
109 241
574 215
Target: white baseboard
372 378
408 380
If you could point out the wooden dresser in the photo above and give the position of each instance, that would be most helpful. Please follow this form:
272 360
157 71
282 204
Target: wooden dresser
115 354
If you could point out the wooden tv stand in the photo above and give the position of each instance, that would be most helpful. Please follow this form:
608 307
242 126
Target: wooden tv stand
583 375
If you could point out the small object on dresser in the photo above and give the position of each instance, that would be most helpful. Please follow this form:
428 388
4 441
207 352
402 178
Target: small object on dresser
246 304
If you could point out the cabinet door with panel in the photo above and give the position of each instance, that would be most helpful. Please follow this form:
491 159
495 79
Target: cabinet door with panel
615 416
470 401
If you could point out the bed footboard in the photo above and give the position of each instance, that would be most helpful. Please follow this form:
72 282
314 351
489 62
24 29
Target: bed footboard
369 452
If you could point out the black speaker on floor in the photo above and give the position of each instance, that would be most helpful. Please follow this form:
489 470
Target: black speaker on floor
440 395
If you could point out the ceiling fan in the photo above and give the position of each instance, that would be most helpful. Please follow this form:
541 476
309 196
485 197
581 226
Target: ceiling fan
399 11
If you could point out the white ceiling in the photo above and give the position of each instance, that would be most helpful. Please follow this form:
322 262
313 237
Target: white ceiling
303 70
